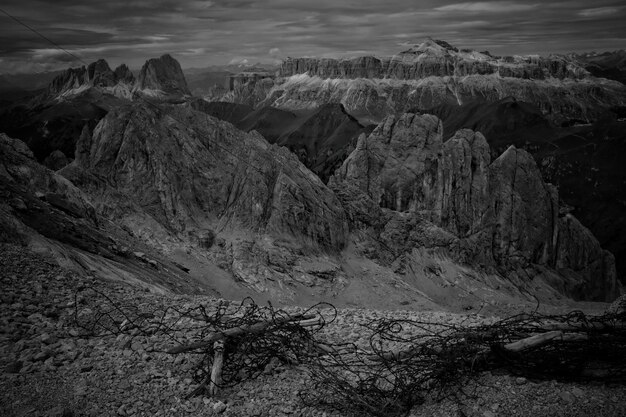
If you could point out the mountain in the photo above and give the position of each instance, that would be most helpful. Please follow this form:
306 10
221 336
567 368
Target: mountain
98 75
45 212
435 58
160 76
432 74
321 139
53 120
198 195
411 190
582 160
324 140
611 65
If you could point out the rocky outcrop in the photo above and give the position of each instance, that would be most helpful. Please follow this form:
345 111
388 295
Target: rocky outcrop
159 77
100 75
496 214
124 74
70 79
97 74
56 160
162 74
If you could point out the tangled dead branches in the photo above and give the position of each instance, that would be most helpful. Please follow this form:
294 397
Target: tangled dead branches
410 359
404 361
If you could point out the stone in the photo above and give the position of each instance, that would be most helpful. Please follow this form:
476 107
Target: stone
521 380
566 396
219 407
13 367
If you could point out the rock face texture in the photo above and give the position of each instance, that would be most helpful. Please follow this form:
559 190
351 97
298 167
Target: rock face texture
97 74
432 74
162 74
56 160
324 139
450 195
435 58
370 100
158 77
43 211
178 171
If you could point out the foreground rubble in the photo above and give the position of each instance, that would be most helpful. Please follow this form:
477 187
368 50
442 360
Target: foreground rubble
52 368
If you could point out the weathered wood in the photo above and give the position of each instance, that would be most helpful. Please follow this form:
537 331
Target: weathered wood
235 331
216 370
308 323
533 341
566 327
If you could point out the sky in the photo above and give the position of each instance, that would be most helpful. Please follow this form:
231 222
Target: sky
202 33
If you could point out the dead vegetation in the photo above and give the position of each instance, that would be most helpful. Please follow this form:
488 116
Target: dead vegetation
404 362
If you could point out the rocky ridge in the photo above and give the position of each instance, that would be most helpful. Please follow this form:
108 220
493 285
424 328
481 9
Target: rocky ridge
492 213
432 74
439 59
159 77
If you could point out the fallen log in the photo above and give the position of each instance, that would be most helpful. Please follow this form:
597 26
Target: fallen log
236 331
582 327
216 370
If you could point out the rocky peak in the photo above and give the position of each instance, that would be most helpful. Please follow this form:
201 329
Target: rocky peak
69 79
431 46
99 74
498 214
163 74
124 74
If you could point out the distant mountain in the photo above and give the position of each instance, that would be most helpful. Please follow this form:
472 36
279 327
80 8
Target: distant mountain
436 58
611 65
160 76
435 73
78 98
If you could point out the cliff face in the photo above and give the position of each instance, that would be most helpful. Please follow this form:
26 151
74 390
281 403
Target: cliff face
158 77
97 74
433 74
497 214
438 59
559 100
162 74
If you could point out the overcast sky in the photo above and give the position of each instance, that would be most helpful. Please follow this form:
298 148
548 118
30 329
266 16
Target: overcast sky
201 33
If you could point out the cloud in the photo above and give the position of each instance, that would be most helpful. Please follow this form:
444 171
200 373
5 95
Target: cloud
598 12
487 7
201 33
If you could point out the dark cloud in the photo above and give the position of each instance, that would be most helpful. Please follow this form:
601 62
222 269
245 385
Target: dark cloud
201 33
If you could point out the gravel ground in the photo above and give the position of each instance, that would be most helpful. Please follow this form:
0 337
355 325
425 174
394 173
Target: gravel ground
50 368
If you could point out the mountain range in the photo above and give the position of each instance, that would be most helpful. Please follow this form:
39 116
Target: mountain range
411 180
